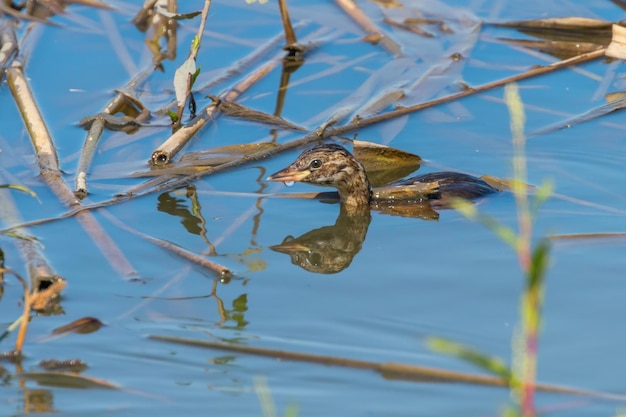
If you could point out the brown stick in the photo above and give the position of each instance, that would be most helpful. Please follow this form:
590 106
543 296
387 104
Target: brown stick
389 370
290 36
328 132
311 137
168 149
468 92
25 319
235 69
46 156
342 130
97 128
8 44
40 273
373 32
587 236
221 270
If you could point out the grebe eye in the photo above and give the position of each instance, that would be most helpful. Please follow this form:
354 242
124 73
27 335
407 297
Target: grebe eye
315 164
316 259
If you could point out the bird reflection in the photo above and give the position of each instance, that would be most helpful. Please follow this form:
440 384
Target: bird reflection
329 249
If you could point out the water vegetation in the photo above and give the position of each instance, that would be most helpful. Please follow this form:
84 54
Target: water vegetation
197 99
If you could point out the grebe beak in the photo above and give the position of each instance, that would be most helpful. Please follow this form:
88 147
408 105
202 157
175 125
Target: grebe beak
289 175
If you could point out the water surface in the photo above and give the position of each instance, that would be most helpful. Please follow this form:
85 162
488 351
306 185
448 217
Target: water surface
412 279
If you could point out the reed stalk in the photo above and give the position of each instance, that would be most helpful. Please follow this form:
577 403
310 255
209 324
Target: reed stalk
97 127
374 33
49 169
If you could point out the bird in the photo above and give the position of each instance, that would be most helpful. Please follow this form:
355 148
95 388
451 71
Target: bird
332 165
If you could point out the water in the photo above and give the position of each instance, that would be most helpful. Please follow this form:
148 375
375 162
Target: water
411 279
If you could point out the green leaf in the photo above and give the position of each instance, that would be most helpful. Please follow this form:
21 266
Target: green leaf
505 233
510 411
469 210
195 43
195 75
465 207
539 264
20 188
491 364
173 116
542 194
291 410
265 397
16 235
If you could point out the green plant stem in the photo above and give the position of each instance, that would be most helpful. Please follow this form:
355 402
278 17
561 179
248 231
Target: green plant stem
530 304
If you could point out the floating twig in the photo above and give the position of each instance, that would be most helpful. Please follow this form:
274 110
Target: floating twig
587 236
65 379
159 17
342 130
40 273
592 114
233 109
45 151
234 69
168 149
222 271
408 27
25 318
47 160
295 50
258 156
389 370
375 34
8 45
327 131
98 124
143 14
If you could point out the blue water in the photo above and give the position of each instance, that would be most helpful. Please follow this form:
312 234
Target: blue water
412 279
